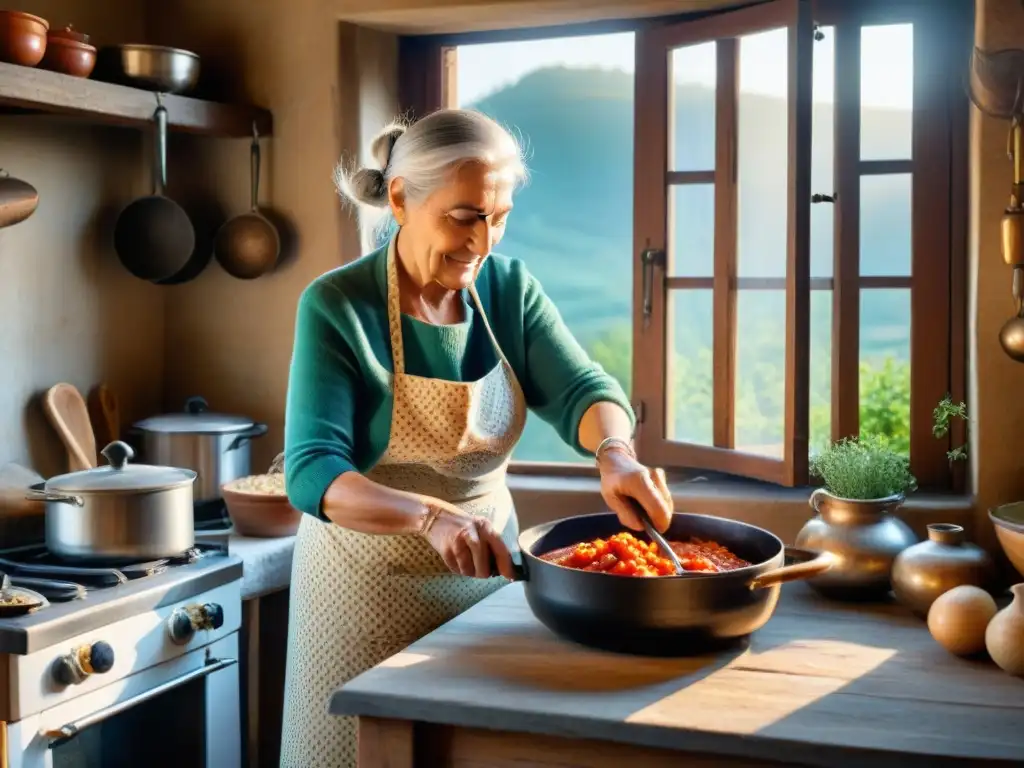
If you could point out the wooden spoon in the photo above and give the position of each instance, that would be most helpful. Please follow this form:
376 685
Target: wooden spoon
67 412
105 414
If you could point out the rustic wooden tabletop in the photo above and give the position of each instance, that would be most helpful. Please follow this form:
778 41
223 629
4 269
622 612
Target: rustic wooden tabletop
821 684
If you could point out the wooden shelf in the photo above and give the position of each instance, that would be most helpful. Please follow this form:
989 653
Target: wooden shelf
40 90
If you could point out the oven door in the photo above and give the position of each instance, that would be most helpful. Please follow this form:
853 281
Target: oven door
181 713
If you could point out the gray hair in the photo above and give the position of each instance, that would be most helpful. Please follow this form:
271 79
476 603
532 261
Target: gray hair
425 152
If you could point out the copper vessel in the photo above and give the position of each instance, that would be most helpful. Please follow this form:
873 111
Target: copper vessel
924 571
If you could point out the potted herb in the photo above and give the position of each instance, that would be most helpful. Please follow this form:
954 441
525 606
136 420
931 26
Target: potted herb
865 482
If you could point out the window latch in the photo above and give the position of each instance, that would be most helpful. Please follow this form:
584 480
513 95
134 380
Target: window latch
816 198
649 258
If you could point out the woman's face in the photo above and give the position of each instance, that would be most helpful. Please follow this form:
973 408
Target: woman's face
446 238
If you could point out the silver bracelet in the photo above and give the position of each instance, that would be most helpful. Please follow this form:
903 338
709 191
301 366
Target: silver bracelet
618 442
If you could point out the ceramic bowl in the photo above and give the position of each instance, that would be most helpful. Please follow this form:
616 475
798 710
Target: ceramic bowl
1008 520
260 515
69 57
22 38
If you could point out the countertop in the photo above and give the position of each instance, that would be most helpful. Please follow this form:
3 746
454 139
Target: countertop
266 563
821 684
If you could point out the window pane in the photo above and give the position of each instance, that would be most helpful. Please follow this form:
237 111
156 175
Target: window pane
760 371
690 368
885 221
885 365
691 228
763 154
886 92
692 108
821 370
822 159
570 100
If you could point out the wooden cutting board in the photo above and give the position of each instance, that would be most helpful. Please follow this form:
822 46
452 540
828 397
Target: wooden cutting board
14 481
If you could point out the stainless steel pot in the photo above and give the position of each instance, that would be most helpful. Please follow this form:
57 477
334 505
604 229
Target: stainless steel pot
216 446
120 511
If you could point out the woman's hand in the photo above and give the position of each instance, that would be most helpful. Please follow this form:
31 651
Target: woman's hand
468 545
625 482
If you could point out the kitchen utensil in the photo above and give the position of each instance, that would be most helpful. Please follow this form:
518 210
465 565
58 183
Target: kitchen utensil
216 446
1004 636
22 38
657 538
153 236
1008 520
926 570
18 200
958 618
69 52
17 601
258 506
248 245
123 510
105 414
67 412
663 615
14 481
151 67
864 536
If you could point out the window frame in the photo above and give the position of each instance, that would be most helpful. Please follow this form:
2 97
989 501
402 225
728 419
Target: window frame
938 260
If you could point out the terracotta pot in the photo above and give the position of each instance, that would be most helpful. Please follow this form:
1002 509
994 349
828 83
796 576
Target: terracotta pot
924 571
864 536
69 33
1004 636
69 57
22 38
260 515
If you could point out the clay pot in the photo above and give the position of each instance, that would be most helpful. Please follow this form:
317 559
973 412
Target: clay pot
22 38
69 56
69 33
1004 636
864 536
924 571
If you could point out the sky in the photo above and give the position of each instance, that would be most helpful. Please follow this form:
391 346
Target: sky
886 63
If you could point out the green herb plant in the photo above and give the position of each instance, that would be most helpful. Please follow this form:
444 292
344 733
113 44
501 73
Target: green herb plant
944 413
863 468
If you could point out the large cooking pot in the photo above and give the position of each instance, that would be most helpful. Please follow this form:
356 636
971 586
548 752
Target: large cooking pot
663 615
216 446
119 512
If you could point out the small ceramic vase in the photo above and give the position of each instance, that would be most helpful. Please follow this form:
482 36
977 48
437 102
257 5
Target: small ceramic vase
924 571
864 536
1004 637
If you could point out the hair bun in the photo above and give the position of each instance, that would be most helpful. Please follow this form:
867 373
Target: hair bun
367 186
384 142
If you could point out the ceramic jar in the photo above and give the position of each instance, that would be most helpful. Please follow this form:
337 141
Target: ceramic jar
1004 637
864 536
924 571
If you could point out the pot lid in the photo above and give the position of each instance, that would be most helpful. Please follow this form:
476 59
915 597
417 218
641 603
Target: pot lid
196 418
120 475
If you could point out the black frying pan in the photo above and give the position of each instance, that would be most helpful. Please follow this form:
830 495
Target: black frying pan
663 615
153 236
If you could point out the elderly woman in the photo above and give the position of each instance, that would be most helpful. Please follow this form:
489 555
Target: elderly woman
411 376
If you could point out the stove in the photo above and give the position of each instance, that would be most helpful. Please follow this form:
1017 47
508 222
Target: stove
118 655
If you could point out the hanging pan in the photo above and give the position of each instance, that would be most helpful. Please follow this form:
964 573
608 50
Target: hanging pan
154 237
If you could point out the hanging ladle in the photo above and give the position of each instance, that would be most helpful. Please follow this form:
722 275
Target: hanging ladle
1011 336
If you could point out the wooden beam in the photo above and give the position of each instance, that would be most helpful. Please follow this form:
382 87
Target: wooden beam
40 90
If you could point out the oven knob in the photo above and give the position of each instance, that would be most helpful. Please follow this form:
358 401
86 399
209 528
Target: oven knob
72 668
183 623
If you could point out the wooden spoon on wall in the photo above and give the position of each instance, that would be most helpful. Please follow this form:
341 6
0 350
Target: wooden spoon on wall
67 412
105 414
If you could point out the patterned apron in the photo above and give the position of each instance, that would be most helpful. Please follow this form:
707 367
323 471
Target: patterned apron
357 599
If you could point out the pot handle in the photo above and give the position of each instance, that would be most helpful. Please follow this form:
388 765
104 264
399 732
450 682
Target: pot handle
815 498
519 572
808 563
256 430
59 498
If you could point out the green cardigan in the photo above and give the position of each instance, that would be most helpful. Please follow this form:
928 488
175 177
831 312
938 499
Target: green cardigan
338 414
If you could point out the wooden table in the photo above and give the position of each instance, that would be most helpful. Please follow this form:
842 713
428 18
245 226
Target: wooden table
820 685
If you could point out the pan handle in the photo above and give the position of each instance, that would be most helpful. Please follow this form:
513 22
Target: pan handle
807 563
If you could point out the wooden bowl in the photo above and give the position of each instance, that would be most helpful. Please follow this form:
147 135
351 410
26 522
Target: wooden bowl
1008 520
22 38
69 57
260 515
